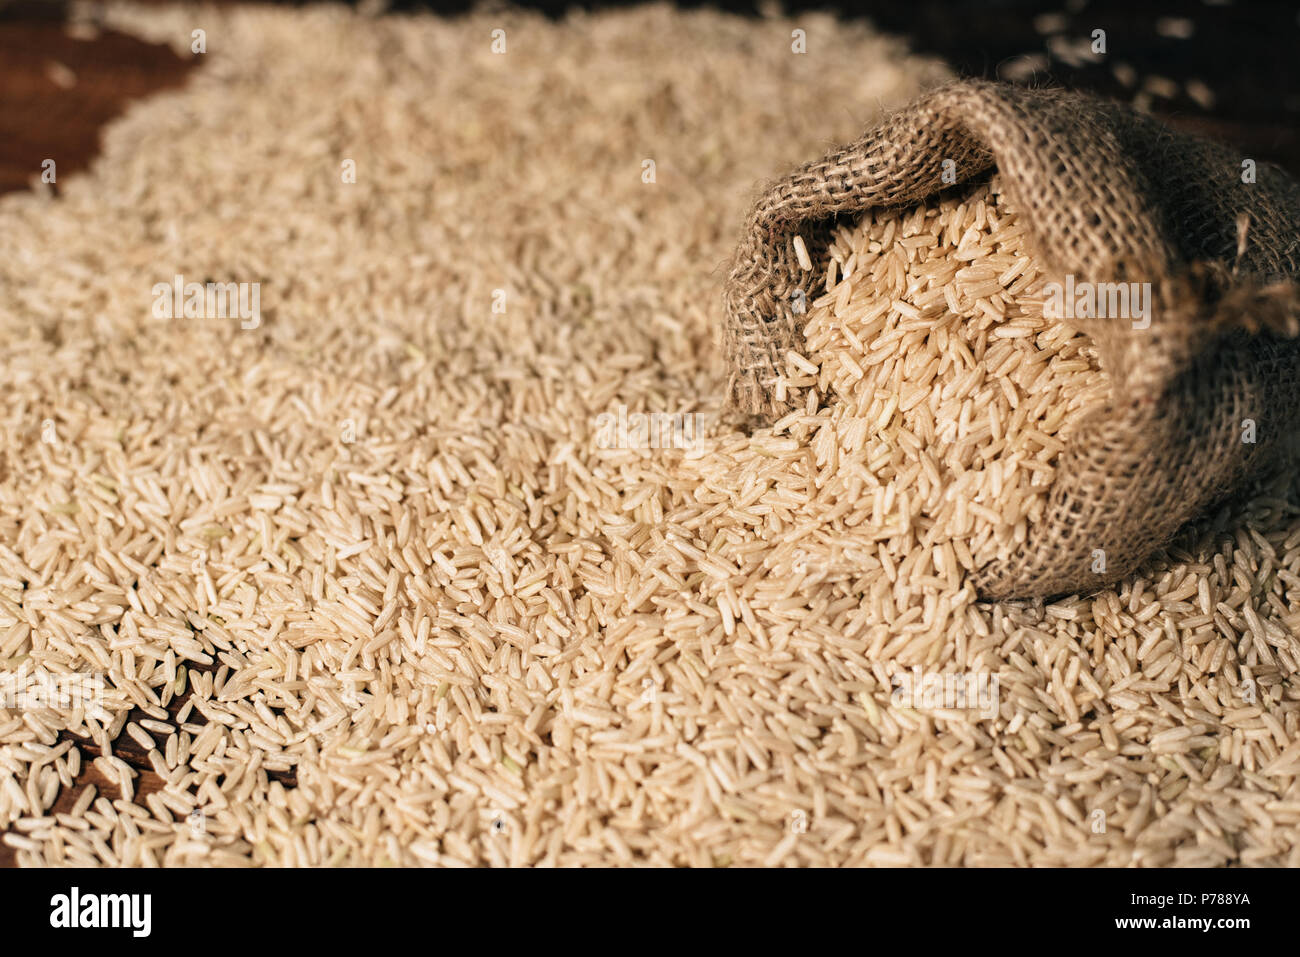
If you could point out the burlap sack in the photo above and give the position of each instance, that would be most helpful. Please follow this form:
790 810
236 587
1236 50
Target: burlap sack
1107 195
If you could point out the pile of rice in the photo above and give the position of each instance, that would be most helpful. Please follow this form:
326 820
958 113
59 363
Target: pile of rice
369 586
932 337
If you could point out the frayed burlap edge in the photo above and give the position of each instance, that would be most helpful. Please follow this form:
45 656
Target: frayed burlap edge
1107 195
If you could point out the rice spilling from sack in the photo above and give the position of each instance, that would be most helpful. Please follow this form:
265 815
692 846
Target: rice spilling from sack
933 338
430 567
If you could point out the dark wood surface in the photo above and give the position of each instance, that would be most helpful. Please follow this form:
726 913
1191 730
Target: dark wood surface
57 91
1227 71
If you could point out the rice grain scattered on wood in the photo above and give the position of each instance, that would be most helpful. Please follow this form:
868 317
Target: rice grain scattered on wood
377 540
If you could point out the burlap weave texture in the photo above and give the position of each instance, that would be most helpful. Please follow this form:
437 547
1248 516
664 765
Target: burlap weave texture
1108 195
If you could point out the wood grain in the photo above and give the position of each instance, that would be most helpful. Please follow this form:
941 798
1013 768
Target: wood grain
57 91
